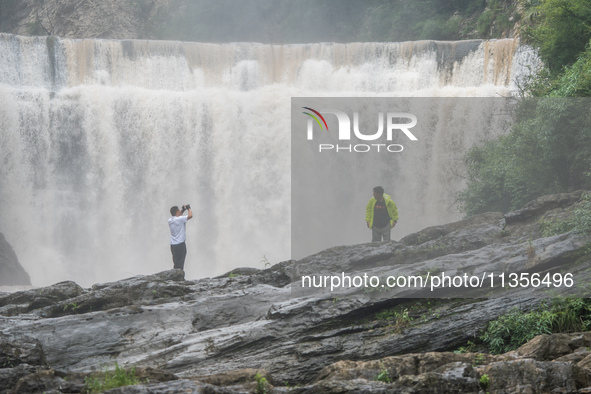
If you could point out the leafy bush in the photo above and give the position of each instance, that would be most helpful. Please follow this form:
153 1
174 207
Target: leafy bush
562 31
469 348
261 384
573 80
484 381
429 29
515 328
580 221
572 314
384 376
451 28
550 227
548 151
400 316
473 7
111 379
503 22
484 22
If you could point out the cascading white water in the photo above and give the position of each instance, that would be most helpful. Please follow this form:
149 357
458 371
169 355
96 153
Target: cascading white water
98 138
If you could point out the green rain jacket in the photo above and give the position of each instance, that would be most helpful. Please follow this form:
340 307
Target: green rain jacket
392 210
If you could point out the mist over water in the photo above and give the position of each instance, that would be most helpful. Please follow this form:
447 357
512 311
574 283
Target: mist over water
99 138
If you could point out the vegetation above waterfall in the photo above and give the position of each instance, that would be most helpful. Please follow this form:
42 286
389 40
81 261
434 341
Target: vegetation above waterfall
267 21
549 148
339 20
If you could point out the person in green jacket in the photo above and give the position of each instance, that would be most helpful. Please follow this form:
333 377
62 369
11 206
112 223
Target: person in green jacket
381 215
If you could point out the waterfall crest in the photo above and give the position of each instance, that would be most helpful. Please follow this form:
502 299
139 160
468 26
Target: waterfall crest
393 68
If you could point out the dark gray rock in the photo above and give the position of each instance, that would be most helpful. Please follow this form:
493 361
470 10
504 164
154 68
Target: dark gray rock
512 372
543 204
48 381
397 366
31 300
258 326
264 320
21 350
27 379
82 19
531 376
9 377
180 386
11 271
66 298
551 347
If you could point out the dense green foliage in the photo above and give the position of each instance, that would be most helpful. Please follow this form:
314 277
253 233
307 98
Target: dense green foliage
579 221
574 81
548 151
562 31
549 148
302 21
512 330
286 21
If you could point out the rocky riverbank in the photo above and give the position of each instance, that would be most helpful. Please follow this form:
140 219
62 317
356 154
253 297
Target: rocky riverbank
217 334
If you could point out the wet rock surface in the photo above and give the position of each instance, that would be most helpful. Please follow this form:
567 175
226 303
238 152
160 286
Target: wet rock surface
253 328
12 272
81 18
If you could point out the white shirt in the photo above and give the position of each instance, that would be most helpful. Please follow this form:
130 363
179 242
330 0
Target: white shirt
177 229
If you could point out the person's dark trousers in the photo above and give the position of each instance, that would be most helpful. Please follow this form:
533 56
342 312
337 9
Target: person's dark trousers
179 251
378 233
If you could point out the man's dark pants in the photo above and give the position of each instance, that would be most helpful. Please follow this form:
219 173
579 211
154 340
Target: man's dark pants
179 251
378 233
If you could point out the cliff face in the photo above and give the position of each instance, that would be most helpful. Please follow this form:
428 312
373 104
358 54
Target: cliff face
215 334
11 271
80 18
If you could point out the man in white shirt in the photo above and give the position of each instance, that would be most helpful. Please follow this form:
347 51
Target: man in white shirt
177 223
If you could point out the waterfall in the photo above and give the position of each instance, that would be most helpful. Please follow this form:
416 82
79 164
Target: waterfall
99 138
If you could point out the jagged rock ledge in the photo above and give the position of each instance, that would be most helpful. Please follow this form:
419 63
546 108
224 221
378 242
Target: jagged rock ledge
11 271
215 334
558 363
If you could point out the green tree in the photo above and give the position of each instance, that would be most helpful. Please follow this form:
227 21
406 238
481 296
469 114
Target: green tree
287 21
575 80
548 151
563 31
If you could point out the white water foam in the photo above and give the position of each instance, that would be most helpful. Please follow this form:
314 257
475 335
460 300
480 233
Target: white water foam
98 138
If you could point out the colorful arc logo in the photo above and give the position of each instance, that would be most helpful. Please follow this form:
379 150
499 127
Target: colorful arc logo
315 118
